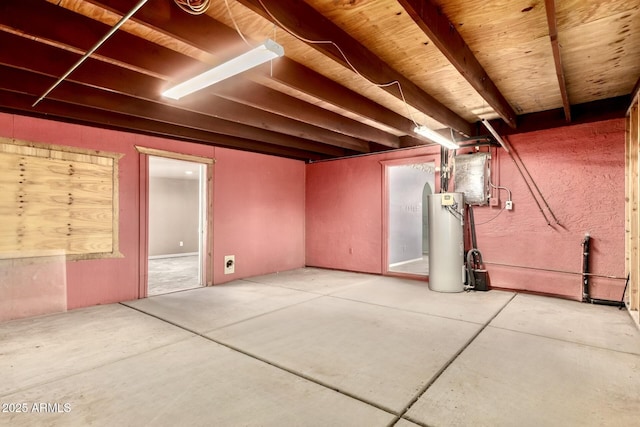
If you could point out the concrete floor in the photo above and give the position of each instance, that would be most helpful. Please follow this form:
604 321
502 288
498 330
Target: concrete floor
173 274
316 347
418 266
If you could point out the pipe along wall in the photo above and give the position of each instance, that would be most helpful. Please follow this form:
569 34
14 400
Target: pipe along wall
586 250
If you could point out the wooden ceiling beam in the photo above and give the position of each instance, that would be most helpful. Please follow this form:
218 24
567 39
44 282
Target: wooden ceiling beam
303 79
31 83
155 60
550 6
147 87
79 32
303 20
589 112
17 103
444 35
255 95
210 35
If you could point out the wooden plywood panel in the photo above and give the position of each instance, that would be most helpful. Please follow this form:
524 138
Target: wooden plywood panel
601 56
258 29
56 200
109 18
386 29
511 41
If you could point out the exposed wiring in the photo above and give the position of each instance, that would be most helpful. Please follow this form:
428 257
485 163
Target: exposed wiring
453 211
501 188
193 7
355 70
488 221
235 24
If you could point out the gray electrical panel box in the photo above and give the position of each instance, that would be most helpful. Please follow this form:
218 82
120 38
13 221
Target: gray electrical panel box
471 177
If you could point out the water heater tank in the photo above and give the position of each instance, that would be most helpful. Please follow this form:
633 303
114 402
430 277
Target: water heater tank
446 244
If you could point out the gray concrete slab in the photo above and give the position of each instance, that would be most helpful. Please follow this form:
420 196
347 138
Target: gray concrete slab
414 295
596 325
192 383
316 280
42 349
404 423
205 309
172 274
379 354
507 378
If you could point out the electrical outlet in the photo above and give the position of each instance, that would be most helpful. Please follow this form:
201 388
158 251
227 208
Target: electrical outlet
494 201
181 243
508 205
229 264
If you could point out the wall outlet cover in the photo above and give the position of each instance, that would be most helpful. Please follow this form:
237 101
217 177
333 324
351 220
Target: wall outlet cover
229 264
508 205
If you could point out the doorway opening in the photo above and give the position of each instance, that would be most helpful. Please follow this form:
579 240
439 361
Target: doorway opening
177 223
408 186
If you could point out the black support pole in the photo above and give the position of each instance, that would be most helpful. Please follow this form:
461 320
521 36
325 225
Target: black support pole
585 278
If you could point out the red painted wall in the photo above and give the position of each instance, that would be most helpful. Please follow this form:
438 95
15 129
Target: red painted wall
580 172
579 169
267 216
258 213
258 209
344 211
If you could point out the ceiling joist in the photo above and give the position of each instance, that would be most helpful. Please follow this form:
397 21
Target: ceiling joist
14 102
445 36
588 112
22 81
550 6
285 107
122 48
252 94
210 35
290 14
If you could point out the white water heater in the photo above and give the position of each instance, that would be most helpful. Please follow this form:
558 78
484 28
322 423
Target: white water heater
446 243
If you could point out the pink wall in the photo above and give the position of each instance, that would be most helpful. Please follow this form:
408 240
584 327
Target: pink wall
244 185
579 169
258 213
344 211
267 216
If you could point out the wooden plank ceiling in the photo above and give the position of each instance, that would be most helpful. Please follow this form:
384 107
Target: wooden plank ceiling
524 64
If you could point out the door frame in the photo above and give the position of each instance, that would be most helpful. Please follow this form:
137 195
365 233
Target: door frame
427 158
206 248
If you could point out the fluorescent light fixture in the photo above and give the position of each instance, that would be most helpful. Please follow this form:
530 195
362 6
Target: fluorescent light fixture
265 52
486 123
435 137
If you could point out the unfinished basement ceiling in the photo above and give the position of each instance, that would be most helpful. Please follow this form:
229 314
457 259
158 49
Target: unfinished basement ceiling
457 61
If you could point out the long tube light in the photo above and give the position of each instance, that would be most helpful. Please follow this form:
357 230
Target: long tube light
486 123
265 52
435 137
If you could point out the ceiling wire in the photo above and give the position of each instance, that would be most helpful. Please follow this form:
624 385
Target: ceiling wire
235 24
355 70
193 7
